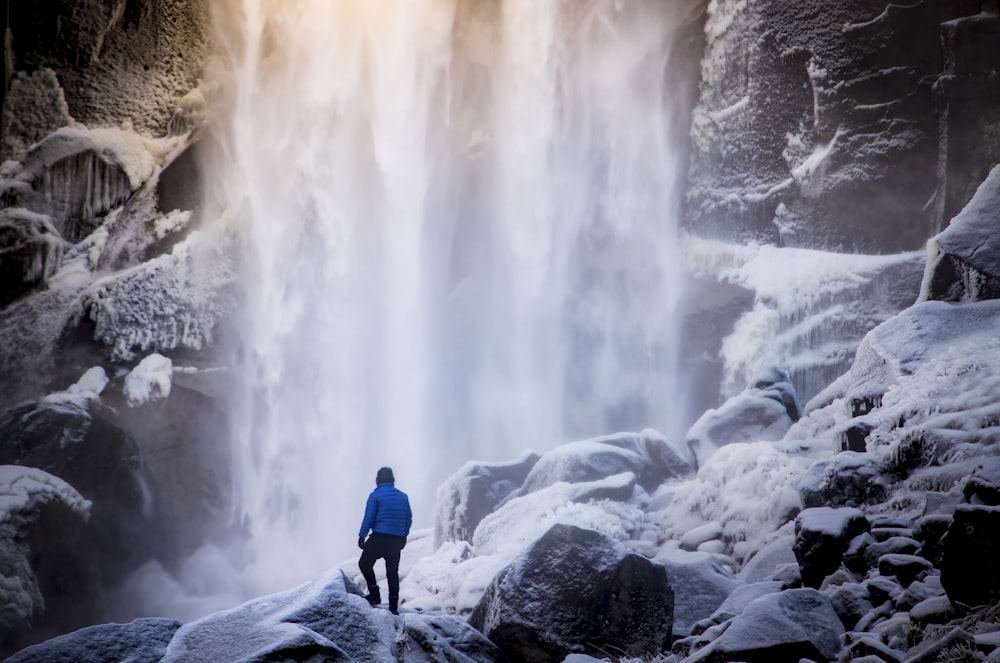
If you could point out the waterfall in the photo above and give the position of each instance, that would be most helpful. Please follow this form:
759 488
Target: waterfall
458 223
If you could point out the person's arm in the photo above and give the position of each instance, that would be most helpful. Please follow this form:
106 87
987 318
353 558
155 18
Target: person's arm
409 518
371 508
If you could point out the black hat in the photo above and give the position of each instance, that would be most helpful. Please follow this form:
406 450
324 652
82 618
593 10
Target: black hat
384 475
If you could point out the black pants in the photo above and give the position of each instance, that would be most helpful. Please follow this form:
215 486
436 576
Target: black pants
387 547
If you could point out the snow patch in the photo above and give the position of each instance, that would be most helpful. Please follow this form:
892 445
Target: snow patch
149 381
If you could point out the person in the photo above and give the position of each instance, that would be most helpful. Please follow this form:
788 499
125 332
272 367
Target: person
388 517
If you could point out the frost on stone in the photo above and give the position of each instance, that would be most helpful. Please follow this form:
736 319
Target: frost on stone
77 175
82 393
23 492
149 381
173 301
33 107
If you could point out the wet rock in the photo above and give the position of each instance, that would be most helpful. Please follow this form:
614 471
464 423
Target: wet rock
822 535
969 572
576 590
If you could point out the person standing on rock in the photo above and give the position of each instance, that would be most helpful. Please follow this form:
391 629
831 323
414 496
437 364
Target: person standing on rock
388 518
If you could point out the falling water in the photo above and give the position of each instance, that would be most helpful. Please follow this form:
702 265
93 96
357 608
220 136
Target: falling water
459 228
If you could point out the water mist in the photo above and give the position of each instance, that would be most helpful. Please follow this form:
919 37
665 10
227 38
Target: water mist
457 220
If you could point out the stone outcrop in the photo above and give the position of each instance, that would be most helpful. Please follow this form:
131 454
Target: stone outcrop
969 572
102 64
576 590
820 129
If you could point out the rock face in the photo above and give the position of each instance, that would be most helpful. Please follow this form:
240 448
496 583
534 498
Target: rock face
102 63
576 590
820 129
30 252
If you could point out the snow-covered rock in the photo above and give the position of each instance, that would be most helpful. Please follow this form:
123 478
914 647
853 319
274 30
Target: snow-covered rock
150 380
140 641
963 261
822 536
41 518
647 455
764 411
576 590
785 626
473 492
846 479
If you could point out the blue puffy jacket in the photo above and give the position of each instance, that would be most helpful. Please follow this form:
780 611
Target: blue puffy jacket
387 512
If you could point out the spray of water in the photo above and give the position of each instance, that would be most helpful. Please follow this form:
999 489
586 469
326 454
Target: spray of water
458 224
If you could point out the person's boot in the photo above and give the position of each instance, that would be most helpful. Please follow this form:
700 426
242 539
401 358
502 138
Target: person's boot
374 596
394 603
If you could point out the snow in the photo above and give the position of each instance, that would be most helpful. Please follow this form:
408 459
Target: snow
149 381
83 392
827 520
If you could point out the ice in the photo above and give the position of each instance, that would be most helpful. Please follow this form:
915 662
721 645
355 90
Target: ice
149 381
83 392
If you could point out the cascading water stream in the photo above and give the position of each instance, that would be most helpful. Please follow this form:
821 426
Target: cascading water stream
459 224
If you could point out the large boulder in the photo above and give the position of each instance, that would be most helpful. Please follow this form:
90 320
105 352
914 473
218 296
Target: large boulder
141 641
42 554
969 572
785 626
474 492
647 455
764 411
577 591
963 261
822 536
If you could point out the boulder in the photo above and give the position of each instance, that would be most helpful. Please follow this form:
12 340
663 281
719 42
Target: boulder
848 479
963 261
43 555
141 641
474 492
785 626
822 536
766 561
906 568
969 572
700 585
647 455
764 411
577 591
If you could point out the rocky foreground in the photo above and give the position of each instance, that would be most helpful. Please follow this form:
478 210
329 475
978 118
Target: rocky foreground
861 526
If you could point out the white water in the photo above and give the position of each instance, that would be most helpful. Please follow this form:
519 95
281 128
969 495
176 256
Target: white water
459 224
